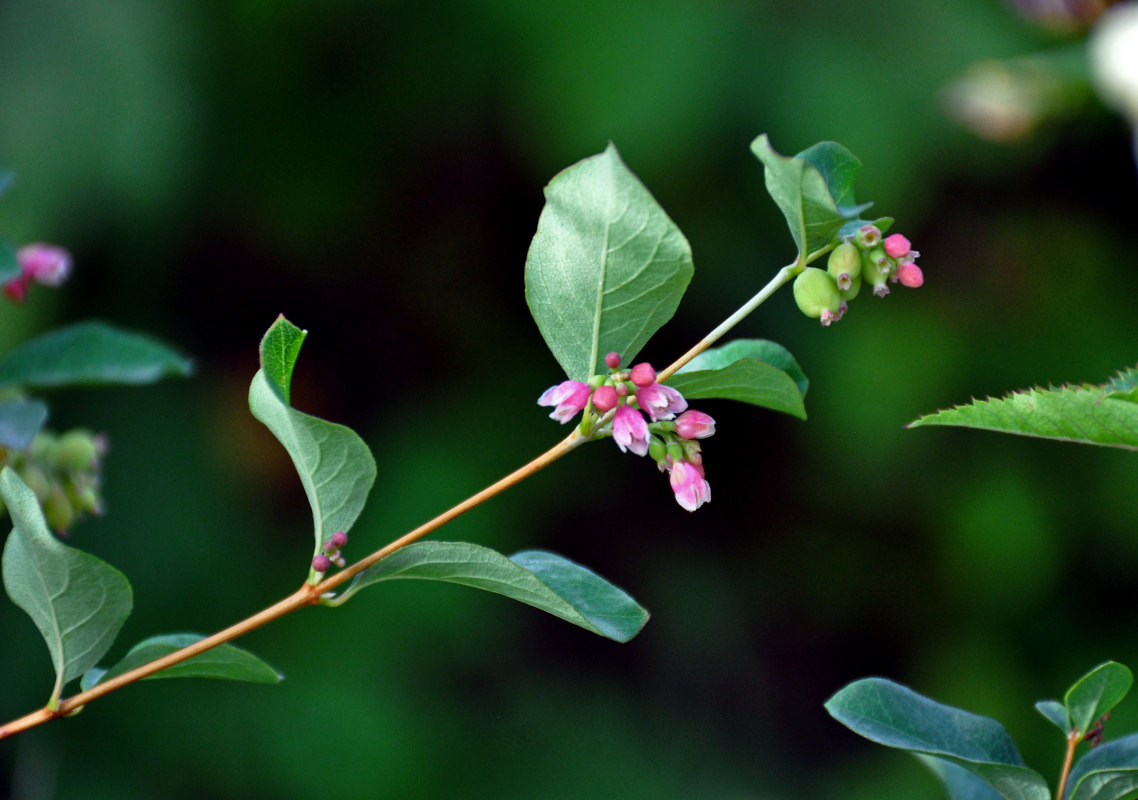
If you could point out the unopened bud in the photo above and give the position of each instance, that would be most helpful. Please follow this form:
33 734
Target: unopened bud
643 374
339 539
612 360
816 293
909 274
321 563
897 246
657 449
605 399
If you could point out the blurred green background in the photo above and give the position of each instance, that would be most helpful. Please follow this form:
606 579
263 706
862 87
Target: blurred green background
374 171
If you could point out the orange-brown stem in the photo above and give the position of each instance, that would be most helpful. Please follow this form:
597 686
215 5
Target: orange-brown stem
1073 739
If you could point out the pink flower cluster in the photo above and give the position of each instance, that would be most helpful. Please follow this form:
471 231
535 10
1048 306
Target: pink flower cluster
45 264
671 440
900 250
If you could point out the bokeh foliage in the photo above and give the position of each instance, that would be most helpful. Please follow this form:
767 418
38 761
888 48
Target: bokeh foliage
374 171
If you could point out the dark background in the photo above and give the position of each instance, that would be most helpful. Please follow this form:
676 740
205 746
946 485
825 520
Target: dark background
374 171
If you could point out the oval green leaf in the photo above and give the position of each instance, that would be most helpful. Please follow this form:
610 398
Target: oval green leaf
20 421
895 716
1107 772
90 353
1096 693
1056 713
77 601
224 662
335 467
606 268
959 782
543 580
753 371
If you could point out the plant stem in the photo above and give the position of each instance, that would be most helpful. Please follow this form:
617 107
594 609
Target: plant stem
306 595
1073 739
781 277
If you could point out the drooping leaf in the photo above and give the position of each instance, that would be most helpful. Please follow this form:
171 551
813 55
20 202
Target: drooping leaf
753 371
1086 414
959 782
543 580
335 467
1096 693
895 716
606 268
279 350
90 353
224 662
20 421
77 601
1107 772
9 265
1056 712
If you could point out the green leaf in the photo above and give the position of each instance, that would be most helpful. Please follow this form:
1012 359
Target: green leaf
1056 712
77 601
279 349
335 467
804 194
20 421
1096 693
1085 414
895 716
753 371
224 662
959 782
543 580
606 268
1107 772
90 353
9 265
7 178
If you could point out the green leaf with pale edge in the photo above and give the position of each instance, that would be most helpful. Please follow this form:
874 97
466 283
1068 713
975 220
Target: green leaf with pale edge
90 353
279 350
9 265
606 268
77 601
753 371
1087 414
224 662
20 421
804 193
543 580
1056 712
1096 693
959 782
1107 772
335 467
895 716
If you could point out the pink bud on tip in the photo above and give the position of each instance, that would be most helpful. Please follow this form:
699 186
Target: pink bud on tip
612 360
909 274
643 374
897 246
694 424
605 399
321 563
339 539
44 263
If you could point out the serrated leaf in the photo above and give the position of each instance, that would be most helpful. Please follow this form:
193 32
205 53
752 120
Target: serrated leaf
9 264
1056 713
895 716
279 350
543 580
1107 772
959 782
803 193
1084 414
90 353
224 662
753 371
335 467
77 601
606 268
20 421
1096 693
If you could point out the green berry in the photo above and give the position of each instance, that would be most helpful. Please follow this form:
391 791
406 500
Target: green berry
43 447
36 479
844 264
57 510
77 451
816 293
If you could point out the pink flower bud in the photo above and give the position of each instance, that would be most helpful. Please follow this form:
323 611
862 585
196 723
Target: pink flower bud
897 246
643 374
605 399
659 401
45 263
339 539
321 563
687 481
568 397
612 360
909 274
694 424
630 431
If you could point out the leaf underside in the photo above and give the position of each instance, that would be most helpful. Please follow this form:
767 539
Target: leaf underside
753 371
224 662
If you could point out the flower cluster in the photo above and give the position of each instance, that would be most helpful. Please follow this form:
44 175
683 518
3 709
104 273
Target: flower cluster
45 264
861 258
331 555
64 473
621 400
